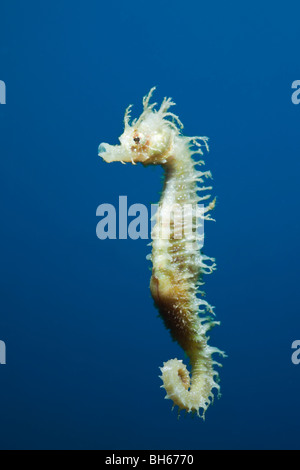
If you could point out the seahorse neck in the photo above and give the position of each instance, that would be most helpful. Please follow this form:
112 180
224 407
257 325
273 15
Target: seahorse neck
180 176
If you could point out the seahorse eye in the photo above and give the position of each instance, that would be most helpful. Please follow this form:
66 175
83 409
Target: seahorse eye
137 140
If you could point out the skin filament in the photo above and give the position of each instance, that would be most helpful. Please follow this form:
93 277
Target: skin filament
178 263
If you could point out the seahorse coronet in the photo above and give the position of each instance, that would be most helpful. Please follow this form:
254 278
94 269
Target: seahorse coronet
178 263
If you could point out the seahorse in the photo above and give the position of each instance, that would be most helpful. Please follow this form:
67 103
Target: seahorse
155 138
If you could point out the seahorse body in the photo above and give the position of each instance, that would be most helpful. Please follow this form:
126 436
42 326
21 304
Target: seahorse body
178 263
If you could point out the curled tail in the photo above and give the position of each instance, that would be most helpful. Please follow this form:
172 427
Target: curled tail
191 394
178 307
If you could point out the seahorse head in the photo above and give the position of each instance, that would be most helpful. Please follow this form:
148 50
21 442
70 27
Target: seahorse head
148 139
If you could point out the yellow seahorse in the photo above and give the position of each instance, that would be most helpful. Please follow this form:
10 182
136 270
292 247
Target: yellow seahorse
178 264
